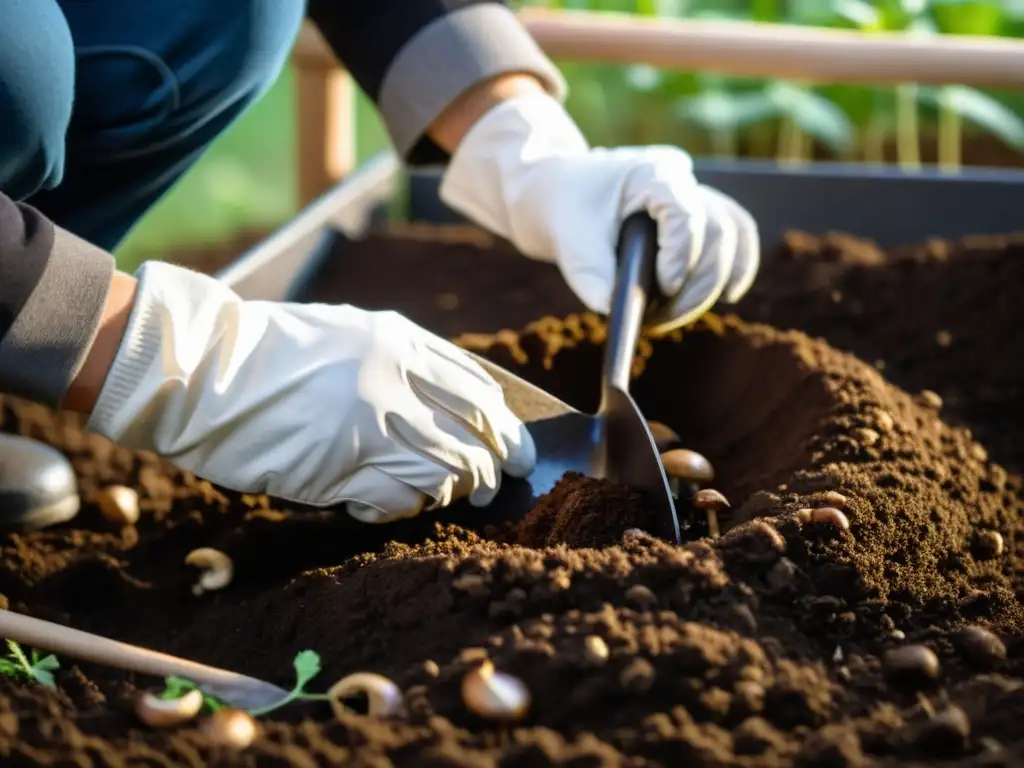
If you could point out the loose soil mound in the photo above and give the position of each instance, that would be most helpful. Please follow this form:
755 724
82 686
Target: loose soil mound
765 647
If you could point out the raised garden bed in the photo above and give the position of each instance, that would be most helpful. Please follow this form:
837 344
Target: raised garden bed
769 646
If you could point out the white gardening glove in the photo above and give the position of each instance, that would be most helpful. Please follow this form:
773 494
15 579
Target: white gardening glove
525 172
311 403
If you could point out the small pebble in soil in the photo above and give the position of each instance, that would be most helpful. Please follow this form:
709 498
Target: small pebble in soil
930 399
595 649
665 438
867 436
495 695
4 603
988 545
781 575
641 596
945 734
684 464
119 504
885 421
943 338
981 645
825 515
230 728
911 665
431 669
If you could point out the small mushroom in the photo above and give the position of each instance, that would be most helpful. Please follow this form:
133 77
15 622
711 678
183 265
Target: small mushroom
383 697
230 728
712 502
119 504
217 569
687 465
665 438
166 713
495 695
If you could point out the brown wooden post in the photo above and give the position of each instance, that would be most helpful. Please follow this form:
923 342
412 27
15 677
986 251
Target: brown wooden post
325 117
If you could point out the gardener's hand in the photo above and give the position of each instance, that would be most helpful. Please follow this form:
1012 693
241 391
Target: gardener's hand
311 403
525 172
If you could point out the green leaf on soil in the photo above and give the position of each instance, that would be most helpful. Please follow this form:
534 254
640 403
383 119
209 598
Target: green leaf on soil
307 666
40 668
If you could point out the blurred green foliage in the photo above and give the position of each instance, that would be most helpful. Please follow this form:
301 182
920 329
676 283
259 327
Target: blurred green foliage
247 179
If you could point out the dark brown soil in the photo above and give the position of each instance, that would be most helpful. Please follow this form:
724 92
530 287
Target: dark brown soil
765 647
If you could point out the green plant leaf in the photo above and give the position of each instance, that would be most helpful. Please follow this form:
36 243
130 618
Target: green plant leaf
307 666
968 17
47 662
721 110
982 110
44 677
814 115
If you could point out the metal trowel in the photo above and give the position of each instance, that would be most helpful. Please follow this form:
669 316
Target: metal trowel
615 443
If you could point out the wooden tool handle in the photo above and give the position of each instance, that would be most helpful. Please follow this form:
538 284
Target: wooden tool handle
778 50
756 50
60 639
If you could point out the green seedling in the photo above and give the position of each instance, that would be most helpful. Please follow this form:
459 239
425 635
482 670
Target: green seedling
307 666
33 667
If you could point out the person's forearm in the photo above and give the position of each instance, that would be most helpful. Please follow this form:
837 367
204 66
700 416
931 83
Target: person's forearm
86 386
452 124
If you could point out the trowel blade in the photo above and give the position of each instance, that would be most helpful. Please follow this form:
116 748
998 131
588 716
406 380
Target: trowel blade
567 440
629 456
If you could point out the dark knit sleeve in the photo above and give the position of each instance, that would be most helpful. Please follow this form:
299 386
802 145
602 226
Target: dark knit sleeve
53 288
415 57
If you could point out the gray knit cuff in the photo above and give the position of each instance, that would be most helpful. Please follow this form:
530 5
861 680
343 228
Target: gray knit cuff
49 339
450 56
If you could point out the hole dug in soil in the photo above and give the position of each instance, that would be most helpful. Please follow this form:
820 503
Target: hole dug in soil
767 646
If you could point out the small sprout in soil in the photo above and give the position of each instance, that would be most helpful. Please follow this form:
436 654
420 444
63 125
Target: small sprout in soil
981 645
218 569
825 515
595 649
683 464
665 438
307 666
230 728
119 504
912 665
495 695
161 712
176 687
33 667
383 697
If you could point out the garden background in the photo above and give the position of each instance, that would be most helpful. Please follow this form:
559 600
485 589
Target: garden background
245 184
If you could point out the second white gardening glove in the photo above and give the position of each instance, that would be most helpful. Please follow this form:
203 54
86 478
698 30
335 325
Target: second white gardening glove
313 403
525 172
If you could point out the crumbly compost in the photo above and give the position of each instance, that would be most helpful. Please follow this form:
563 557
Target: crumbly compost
895 641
